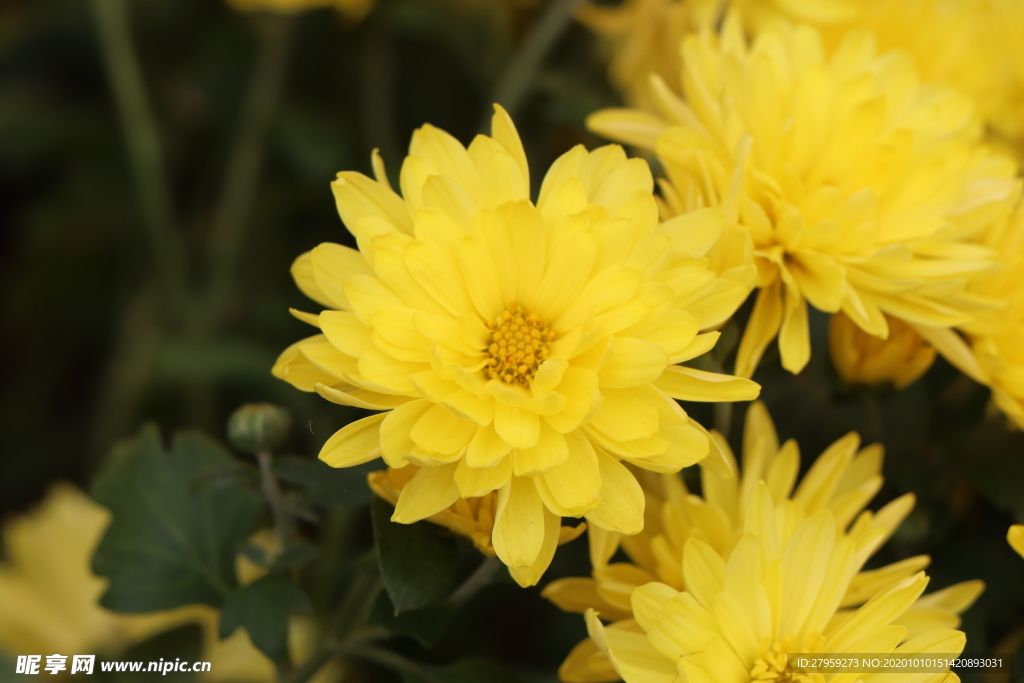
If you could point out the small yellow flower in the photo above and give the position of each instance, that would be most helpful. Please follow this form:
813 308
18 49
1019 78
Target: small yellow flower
470 517
860 187
860 358
842 482
1015 536
517 348
777 593
352 9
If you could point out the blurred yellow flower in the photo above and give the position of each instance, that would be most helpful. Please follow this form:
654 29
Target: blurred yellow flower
861 188
841 481
49 597
860 358
642 37
472 518
982 42
352 9
995 338
1015 536
518 348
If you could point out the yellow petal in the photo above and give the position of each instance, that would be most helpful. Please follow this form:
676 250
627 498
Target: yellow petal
473 482
621 507
764 323
572 488
333 266
649 600
355 443
438 431
503 130
1015 536
302 273
519 428
356 196
529 576
550 451
518 523
627 125
360 398
486 448
689 384
633 362
395 441
432 490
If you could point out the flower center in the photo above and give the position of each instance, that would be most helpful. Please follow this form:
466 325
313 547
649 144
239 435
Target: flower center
774 666
517 345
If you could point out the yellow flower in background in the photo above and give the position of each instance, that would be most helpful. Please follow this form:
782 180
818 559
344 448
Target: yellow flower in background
352 9
518 348
995 338
860 186
472 518
50 598
642 37
841 481
982 42
859 358
1015 536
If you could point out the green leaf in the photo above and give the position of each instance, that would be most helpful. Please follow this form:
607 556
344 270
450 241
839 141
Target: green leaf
427 625
418 564
326 486
174 535
262 608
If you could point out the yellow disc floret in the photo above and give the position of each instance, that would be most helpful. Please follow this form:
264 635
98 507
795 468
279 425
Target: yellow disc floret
517 345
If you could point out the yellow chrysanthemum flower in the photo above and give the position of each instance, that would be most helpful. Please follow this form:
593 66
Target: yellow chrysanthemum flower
1015 536
472 518
861 187
842 481
981 42
352 9
861 358
518 348
50 597
780 591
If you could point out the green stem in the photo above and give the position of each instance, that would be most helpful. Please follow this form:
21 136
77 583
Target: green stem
723 418
272 492
480 577
246 161
145 151
353 613
395 662
514 83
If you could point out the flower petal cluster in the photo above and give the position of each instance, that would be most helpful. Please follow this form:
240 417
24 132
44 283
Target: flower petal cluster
714 527
861 358
472 518
518 348
860 186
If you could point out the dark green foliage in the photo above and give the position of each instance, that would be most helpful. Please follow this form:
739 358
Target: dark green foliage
417 563
262 608
173 538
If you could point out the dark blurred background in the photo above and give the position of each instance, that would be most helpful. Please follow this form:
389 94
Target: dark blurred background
150 283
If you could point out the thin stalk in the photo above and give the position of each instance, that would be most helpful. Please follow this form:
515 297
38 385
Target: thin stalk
278 506
145 151
246 161
515 81
395 662
480 577
353 613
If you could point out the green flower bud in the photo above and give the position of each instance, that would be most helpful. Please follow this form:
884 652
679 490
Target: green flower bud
258 427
